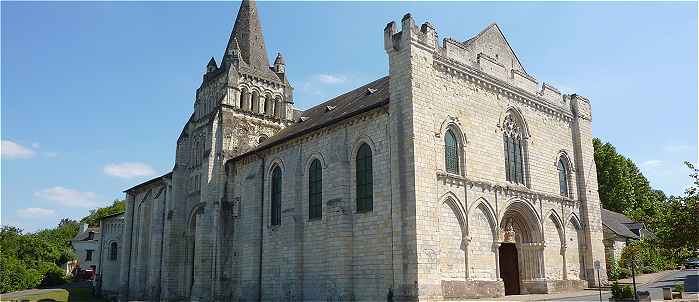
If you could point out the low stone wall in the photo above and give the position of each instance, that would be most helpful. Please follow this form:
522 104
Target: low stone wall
551 286
472 289
561 286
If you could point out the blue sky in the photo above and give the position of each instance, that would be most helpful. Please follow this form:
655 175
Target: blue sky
94 94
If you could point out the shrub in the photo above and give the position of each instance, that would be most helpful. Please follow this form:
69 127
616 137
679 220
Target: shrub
15 276
618 272
52 274
627 292
621 292
679 287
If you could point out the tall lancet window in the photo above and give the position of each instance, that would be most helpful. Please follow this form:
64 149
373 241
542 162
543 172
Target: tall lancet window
315 190
276 209
365 179
451 152
563 178
513 140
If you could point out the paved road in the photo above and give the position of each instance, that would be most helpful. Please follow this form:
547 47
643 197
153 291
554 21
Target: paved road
690 278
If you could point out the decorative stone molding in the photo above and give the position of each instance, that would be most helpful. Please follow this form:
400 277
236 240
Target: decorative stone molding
495 85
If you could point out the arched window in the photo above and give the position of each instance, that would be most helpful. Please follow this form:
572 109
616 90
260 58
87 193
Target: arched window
276 212
563 177
513 140
278 108
315 190
269 106
451 152
244 98
113 251
365 179
255 106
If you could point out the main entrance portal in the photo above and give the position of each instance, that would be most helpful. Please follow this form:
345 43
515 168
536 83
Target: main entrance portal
509 270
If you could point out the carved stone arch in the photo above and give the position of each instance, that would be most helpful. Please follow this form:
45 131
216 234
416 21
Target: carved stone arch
255 97
560 225
482 204
196 210
268 103
563 154
575 220
517 114
528 204
313 156
358 142
243 100
278 100
277 162
451 200
527 217
452 123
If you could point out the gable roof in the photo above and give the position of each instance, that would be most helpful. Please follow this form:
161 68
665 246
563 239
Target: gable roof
84 235
360 100
616 222
493 28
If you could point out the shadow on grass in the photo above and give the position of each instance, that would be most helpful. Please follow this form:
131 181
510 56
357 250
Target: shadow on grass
83 294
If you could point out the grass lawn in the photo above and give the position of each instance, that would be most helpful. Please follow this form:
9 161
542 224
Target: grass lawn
60 295
83 294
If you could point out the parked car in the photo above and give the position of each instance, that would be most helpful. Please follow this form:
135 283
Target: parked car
692 263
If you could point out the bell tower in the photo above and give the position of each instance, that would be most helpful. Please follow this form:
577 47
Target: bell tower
240 102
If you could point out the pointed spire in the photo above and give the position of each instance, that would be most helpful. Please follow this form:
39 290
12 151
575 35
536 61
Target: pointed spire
247 33
212 65
279 66
279 60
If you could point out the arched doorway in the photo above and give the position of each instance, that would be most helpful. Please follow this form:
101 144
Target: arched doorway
520 251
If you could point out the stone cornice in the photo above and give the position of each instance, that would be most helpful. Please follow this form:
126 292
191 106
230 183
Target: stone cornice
497 85
506 188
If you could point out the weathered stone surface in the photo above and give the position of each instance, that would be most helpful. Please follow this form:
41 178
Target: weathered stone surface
431 234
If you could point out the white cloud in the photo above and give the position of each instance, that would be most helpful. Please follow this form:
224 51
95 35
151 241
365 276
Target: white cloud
129 170
36 145
69 197
29 213
673 148
11 150
651 163
330 79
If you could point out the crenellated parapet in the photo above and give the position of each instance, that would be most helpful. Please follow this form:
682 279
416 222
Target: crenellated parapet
488 53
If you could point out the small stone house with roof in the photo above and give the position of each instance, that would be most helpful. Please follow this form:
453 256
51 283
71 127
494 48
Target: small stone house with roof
86 247
456 175
618 231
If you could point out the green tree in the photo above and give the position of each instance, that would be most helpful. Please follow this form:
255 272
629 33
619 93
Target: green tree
117 206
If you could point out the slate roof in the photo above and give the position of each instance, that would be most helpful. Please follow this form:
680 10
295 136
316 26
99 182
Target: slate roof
362 99
82 236
617 222
147 182
112 215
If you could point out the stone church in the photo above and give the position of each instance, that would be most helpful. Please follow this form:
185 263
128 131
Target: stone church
456 175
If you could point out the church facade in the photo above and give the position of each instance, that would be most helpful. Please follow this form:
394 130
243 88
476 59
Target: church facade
455 176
